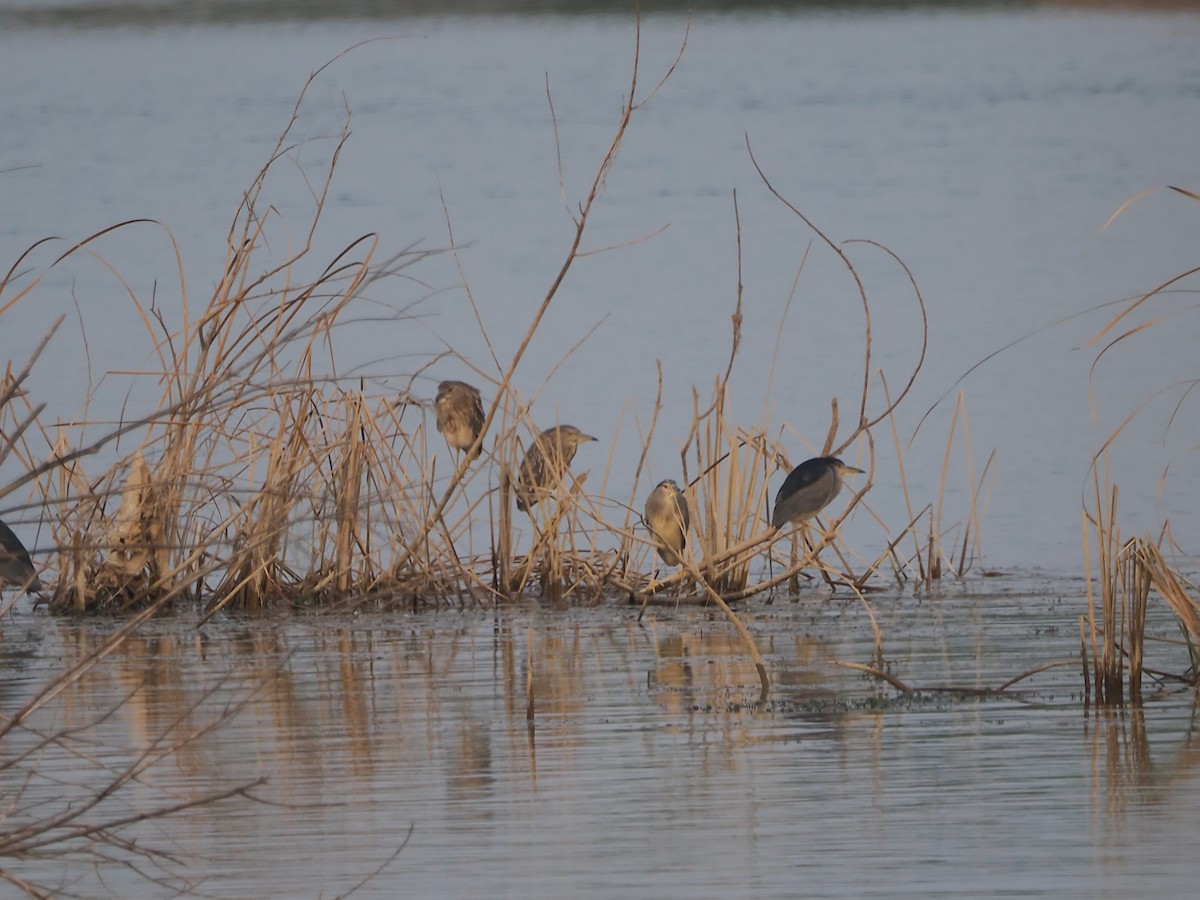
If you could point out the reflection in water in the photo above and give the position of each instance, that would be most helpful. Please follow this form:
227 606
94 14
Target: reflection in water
1126 775
644 747
470 762
1121 758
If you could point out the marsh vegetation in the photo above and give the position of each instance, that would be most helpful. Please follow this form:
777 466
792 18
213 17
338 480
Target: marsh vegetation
257 477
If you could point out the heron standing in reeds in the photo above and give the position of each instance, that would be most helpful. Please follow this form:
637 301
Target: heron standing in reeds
668 519
16 568
459 415
809 488
545 464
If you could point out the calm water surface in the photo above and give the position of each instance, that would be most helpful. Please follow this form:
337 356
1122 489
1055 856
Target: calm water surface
987 149
646 769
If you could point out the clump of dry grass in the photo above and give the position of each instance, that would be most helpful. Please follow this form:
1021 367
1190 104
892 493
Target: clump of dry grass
728 468
260 480
1129 570
1115 636
1121 604
228 466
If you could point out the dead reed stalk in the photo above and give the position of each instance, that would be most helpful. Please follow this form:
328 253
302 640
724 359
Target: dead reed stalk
1170 586
1105 627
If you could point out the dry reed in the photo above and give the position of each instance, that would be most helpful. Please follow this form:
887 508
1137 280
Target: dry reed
1128 571
259 480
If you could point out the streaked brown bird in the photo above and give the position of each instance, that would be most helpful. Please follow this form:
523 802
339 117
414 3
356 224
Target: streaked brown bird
668 519
546 462
809 488
459 415
16 568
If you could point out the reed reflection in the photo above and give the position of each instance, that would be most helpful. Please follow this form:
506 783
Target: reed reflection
1125 775
144 682
469 766
701 671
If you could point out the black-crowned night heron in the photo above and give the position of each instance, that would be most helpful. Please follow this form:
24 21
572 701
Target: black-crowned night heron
16 568
546 463
459 414
809 488
668 519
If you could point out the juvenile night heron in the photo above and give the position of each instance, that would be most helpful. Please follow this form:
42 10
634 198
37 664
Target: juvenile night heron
668 519
459 415
16 568
809 488
546 463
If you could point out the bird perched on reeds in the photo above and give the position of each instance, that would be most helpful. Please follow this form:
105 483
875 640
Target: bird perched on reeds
546 463
459 415
16 568
809 488
668 519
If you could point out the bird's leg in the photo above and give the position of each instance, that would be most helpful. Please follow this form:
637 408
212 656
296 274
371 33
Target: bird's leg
813 555
651 588
649 593
801 532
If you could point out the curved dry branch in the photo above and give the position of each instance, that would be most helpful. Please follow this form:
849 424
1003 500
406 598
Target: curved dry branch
920 364
862 291
905 688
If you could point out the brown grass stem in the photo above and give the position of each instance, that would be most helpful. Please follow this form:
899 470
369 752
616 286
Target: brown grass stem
905 688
